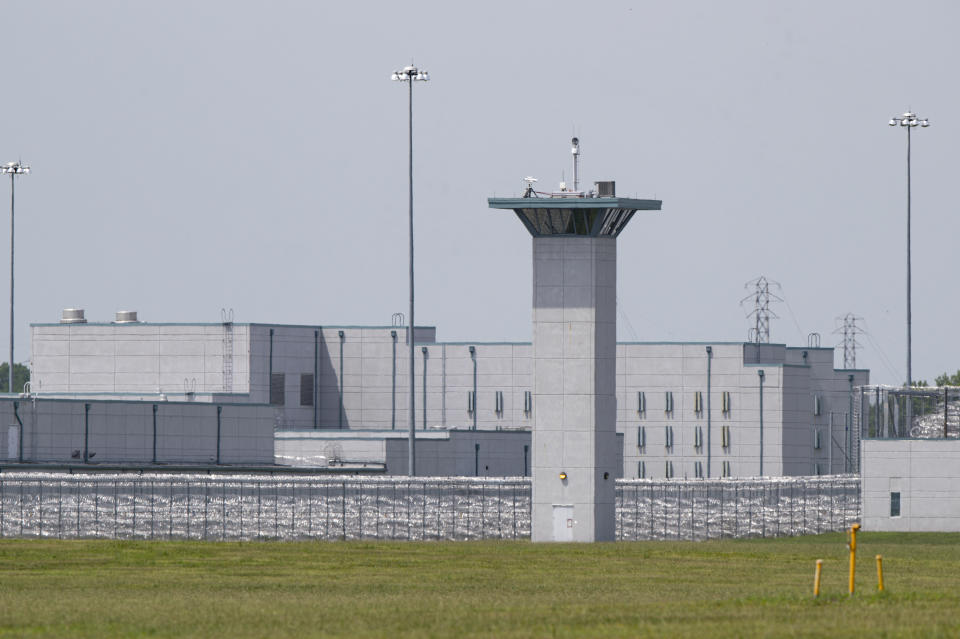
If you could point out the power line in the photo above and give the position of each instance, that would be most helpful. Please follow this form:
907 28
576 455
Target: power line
883 356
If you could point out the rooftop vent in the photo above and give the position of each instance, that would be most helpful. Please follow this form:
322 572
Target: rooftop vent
72 316
126 317
606 189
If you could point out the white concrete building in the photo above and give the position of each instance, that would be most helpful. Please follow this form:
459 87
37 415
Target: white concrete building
911 484
355 378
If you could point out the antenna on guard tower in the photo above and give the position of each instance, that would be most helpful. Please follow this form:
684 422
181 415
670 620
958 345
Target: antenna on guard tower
576 161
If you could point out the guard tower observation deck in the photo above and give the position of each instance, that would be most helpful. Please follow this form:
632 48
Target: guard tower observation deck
579 215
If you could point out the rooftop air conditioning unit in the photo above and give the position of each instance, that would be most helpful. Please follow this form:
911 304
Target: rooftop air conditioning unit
72 316
607 188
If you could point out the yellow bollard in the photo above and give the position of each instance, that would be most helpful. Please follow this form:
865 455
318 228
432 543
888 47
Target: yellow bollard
816 579
880 573
853 553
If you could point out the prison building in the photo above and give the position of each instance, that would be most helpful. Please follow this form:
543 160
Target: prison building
309 381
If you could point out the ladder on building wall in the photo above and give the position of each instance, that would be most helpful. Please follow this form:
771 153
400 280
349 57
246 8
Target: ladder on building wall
226 317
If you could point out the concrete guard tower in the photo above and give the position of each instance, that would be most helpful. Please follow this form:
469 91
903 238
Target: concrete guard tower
574 352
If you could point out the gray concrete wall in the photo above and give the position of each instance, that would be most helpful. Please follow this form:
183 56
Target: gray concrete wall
680 369
138 358
574 344
797 417
926 474
464 454
122 432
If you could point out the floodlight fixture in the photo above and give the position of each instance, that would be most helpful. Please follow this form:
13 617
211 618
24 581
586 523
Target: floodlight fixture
410 74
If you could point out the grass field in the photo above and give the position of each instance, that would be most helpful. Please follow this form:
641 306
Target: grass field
485 589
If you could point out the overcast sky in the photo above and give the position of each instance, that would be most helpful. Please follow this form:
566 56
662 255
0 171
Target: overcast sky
189 156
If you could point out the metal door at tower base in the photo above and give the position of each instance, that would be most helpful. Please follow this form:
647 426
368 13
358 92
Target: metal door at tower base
563 522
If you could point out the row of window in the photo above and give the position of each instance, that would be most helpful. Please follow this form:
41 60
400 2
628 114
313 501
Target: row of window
668 438
818 442
278 395
498 404
698 404
726 404
698 470
278 391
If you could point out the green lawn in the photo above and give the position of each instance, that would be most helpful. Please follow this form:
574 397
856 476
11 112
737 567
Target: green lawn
482 589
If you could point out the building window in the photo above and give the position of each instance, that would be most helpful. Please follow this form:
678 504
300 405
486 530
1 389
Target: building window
697 438
668 469
277 382
668 402
668 437
698 470
641 403
698 402
471 402
306 389
641 437
527 402
725 436
817 405
498 403
725 398
816 439
641 470
726 469
894 504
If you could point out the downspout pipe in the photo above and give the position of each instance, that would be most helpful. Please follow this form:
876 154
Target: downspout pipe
340 411
393 383
849 425
709 449
760 374
473 356
16 414
86 433
316 374
423 349
155 409
270 371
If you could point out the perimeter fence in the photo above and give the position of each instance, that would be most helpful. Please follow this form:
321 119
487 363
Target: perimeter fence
204 507
649 509
248 507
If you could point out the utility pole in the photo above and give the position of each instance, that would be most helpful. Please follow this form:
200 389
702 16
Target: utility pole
761 297
849 330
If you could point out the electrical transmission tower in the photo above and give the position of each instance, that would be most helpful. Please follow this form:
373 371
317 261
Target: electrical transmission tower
849 329
761 297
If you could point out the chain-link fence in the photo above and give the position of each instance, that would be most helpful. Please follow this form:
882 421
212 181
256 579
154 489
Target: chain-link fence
118 506
244 507
717 508
887 412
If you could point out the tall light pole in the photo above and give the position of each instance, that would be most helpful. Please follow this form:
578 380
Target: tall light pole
909 120
411 74
13 169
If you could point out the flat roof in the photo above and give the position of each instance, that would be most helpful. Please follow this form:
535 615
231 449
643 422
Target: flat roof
573 203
